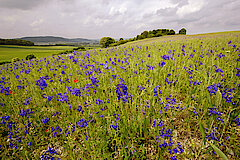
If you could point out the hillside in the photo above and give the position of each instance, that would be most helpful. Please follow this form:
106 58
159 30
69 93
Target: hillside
53 39
172 97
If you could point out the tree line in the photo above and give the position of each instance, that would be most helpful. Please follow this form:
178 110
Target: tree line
108 41
16 42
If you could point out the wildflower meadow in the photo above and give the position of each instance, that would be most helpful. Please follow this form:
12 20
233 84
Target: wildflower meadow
177 98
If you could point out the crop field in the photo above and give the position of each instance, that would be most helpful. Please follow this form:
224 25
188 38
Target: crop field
8 52
165 98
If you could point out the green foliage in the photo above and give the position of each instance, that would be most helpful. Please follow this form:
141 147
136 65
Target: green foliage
106 42
144 34
4 62
171 32
30 56
81 48
218 151
183 31
16 42
16 59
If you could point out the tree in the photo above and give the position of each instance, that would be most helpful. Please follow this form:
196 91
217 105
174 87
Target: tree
106 41
16 42
171 32
144 34
182 31
139 37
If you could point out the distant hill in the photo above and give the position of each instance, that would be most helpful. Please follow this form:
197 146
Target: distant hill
55 40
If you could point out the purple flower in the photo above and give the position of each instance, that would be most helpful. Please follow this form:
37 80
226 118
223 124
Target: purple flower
62 98
26 113
122 93
161 64
76 92
41 83
173 158
237 121
45 120
50 98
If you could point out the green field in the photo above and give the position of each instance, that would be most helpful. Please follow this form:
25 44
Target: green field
167 98
8 52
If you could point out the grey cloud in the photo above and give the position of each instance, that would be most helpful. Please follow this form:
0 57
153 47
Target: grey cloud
179 2
115 18
166 12
21 4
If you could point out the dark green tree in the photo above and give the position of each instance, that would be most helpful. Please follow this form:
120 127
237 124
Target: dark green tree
16 42
106 41
30 56
183 31
139 37
171 32
144 34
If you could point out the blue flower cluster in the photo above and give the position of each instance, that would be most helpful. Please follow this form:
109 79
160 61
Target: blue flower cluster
157 91
215 112
165 134
49 154
62 97
212 134
41 83
6 120
122 93
212 89
226 93
45 120
76 92
26 113
116 119
237 121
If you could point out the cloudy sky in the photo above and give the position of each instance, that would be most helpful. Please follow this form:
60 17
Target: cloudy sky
115 18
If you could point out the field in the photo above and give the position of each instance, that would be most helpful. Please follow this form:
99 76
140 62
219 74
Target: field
8 52
173 97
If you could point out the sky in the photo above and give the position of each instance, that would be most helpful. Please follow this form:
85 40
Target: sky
94 19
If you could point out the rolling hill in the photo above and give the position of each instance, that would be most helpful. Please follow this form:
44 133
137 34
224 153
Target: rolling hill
54 40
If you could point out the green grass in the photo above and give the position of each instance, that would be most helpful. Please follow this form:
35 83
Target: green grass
173 96
8 52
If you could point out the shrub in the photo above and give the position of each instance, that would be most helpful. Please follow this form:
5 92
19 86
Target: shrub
16 59
30 56
106 41
4 62
182 31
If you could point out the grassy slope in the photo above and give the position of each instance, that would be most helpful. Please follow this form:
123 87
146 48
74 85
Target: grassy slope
180 37
8 52
135 137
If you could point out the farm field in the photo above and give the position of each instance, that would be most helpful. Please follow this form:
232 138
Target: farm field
173 97
8 52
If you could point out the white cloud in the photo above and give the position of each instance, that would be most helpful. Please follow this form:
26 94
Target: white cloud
117 11
37 22
10 19
191 7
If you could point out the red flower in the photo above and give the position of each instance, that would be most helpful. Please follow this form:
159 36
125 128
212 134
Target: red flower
46 130
11 92
75 81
